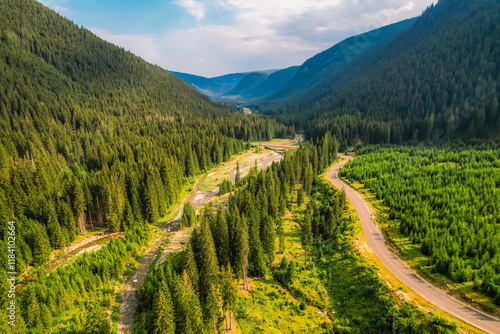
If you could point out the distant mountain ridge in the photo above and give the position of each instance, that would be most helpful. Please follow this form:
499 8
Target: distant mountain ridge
295 81
436 80
226 86
323 66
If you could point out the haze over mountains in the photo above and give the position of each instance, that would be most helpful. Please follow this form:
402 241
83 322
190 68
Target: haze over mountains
92 136
296 80
428 78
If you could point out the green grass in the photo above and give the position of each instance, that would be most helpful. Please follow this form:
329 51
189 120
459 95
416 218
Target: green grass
174 210
268 308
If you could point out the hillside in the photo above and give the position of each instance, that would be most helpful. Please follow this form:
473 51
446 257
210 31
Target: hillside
323 68
92 135
212 87
248 83
274 82
204 85
436 81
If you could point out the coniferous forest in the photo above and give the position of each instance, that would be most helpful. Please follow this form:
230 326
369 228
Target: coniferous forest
92 135
436 81
94 140
447 201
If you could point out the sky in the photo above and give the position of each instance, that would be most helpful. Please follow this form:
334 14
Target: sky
216 37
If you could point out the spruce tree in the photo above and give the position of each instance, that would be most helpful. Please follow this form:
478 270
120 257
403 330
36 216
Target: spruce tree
163 311
209 283
238 176
190 267
229 293
96 319
306 233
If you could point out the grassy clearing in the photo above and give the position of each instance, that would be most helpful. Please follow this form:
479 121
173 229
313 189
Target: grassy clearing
268 308
215 176
174 211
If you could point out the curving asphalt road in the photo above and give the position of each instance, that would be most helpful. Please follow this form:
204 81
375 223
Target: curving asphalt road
420 286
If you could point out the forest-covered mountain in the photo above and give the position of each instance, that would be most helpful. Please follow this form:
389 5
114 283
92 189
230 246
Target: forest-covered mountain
320 71
204 85
91 134
251 81
437 80
240 86
272 83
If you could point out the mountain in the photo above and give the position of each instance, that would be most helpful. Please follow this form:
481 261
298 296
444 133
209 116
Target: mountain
323 67
437 80
226 86
229 81
274 83
249 82
262 86
204 85
91 135
212 87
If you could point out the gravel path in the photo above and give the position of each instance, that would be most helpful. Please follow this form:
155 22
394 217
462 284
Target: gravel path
410 278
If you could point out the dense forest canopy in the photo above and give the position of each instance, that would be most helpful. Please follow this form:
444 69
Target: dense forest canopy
91 134
438 80
447 201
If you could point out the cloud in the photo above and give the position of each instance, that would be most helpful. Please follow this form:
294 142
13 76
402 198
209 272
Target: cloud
144 46
194 8
244 35
56 5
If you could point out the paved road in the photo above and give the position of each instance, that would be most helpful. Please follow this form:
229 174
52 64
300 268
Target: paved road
420 286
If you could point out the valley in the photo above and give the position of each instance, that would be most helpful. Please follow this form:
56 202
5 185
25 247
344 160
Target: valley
350 190
173 238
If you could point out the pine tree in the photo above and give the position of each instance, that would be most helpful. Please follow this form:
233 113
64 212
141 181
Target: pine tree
229 293
209 284
163 311
268 237
30 306
300 197
241 247
151 197
306 233
188 313
221 238
281 236
238 176
191 269
96 321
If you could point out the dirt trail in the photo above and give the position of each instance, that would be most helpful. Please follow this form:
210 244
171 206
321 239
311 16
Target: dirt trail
176 244
129 304
89 244
179 239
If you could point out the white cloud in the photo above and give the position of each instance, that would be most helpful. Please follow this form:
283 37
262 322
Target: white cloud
56 6
194 8
261 34
144 46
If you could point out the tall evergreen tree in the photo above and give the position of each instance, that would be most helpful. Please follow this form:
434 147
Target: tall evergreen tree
163 311
306 233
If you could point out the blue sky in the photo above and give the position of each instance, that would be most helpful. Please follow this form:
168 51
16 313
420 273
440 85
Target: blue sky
215 37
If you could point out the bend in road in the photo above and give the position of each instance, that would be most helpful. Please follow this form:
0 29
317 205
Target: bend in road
410 278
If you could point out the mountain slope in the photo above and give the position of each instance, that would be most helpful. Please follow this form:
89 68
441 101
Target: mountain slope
212 87
92 135
249 82
326 65
204 85
436 81
272 84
